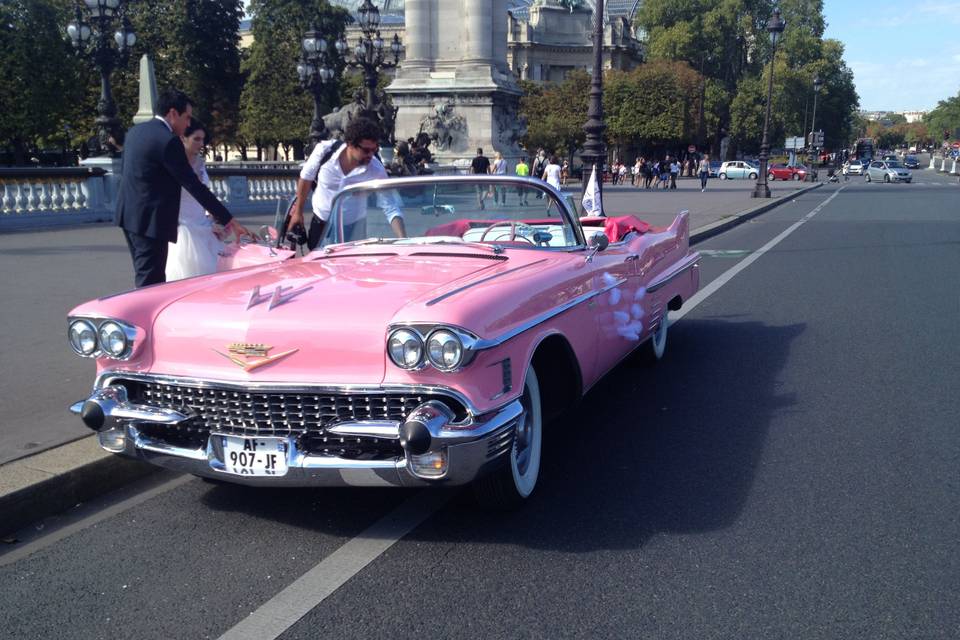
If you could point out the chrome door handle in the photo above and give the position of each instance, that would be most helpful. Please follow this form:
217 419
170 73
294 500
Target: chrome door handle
631 257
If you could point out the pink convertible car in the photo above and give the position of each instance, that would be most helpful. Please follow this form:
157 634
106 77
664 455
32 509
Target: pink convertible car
424 360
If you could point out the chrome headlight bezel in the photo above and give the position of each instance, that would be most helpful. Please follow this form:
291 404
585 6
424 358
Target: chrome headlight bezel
405 335
465 340
128 331
85 325
438 341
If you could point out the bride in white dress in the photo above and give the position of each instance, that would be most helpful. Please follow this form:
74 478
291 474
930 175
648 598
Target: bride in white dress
197 247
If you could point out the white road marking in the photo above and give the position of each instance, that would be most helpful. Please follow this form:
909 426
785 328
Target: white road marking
284 609
730 273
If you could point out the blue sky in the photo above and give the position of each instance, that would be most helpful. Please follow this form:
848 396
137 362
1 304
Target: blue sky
905 56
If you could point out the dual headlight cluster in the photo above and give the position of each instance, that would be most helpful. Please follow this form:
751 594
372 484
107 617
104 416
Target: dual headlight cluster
444 348
92 337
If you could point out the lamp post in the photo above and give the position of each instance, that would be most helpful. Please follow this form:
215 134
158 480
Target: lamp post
370 57
90 34
594 151
775 26
315 70
811 174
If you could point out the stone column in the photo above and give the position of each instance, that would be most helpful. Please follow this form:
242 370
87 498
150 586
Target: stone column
417 17
478 31
500 23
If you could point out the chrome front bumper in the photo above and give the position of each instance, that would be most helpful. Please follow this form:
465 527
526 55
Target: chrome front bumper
469 451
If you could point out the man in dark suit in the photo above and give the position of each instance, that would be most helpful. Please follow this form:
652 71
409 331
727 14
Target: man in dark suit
155 167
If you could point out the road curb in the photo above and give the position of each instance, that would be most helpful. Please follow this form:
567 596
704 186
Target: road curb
57 479
715 228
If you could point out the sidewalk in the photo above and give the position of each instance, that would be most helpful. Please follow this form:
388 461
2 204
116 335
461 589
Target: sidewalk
49 461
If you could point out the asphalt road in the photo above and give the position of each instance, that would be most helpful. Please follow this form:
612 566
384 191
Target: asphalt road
789 471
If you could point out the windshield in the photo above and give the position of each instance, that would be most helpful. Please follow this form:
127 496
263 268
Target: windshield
894 165
433 212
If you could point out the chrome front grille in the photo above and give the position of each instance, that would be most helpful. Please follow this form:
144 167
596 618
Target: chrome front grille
306 416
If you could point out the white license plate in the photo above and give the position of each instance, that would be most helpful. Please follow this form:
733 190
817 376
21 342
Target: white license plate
254 456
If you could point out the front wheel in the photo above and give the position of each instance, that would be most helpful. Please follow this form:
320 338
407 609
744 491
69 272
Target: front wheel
509 486
796 176
753 176
723 176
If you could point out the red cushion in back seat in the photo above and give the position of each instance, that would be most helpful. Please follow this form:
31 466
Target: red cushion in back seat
616 227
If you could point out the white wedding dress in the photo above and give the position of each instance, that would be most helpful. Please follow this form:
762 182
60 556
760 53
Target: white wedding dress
197 249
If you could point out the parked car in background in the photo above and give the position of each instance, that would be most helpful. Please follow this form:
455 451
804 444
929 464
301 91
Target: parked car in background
911 162
888 171
855 168
738 169
780 171
430 358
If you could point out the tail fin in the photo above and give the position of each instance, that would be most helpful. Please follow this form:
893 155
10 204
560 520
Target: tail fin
681 225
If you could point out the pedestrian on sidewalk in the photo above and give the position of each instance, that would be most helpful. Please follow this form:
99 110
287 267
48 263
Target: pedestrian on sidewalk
665 173
480 166
674 172
565 172
499 168
551 174
647 173
704 171
523 171
539 164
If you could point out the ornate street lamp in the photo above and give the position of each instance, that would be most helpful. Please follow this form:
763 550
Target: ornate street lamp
315 70
370 56
594 150
91 39
811 174
775 26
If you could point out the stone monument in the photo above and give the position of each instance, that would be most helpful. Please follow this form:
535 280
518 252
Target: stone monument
454 84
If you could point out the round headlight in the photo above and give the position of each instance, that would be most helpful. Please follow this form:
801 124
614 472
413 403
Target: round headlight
444 350
405 348
113 340
83 337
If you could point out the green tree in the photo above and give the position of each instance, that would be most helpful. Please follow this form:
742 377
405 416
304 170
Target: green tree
556 113
945 118
656 104
40 80
274 109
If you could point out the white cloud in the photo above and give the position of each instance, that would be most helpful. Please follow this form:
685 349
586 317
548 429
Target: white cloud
916 83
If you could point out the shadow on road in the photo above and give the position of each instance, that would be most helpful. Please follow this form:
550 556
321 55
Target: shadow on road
666 449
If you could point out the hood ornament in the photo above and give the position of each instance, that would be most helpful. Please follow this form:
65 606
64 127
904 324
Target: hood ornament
279 296
247 350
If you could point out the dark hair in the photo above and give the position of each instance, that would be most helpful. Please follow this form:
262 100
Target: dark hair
361 129
172 99
194 126
479 151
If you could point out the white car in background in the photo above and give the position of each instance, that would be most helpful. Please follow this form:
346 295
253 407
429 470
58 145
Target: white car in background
855 168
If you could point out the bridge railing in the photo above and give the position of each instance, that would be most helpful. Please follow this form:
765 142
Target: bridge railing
44 196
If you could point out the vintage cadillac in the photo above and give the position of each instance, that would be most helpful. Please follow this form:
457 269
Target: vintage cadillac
433 359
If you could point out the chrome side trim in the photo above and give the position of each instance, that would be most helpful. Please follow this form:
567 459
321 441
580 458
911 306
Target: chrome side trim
481 281
543 317
665 279
106 376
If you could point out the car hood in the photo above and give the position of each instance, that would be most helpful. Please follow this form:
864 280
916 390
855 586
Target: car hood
320 320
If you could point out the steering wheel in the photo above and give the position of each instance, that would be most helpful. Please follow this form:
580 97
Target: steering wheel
514 225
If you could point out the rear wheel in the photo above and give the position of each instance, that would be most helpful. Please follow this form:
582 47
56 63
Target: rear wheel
867 178
509 486
771 177
886 178
658 341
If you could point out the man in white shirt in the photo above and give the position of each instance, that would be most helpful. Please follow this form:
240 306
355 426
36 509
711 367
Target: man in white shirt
353 162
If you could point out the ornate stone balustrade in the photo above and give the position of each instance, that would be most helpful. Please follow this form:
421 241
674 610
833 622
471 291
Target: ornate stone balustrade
53 192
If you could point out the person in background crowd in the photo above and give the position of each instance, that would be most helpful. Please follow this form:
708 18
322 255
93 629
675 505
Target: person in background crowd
523 170
665 173
622 173
499 168
565 172
647 173
674 172
703 170
539 164
637 172
551 174
480 166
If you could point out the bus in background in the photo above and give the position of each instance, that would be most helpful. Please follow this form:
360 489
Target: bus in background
864 149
